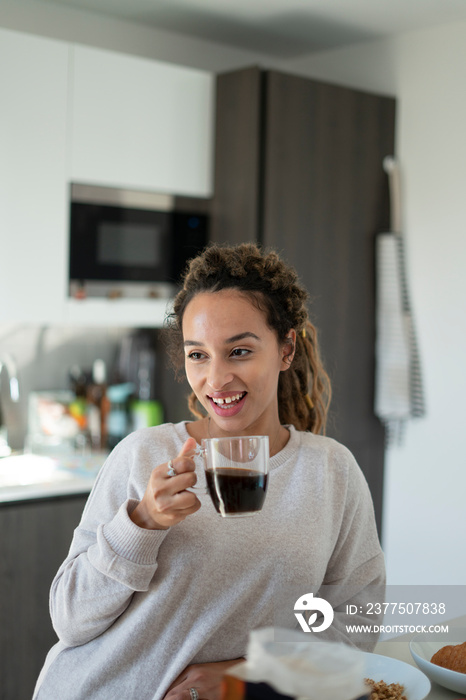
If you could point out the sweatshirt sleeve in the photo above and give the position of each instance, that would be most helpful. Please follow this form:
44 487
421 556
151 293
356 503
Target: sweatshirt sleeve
110 557
355 577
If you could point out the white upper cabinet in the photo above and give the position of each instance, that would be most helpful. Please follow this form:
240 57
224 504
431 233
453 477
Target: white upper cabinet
76 114
140 124
33 189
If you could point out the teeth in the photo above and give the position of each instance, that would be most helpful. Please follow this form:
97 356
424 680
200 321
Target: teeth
228 399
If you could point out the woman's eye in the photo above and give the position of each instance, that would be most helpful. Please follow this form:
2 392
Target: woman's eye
195 355
240 352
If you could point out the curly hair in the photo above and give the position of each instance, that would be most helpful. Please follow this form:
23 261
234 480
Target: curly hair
304 390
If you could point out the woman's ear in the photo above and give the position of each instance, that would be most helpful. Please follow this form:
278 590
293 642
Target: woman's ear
288 349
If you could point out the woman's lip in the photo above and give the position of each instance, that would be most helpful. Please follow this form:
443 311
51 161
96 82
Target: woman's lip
231 410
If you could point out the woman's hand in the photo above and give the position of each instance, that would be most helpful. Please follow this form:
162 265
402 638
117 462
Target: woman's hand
166 502
205 678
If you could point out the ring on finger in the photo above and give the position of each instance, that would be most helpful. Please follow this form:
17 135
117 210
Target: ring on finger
194 694
170 470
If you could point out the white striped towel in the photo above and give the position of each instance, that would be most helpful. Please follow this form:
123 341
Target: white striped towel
398 386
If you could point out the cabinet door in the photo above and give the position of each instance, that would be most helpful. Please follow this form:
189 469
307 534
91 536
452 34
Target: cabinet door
140 124
236 204
36 537
325 200
33 83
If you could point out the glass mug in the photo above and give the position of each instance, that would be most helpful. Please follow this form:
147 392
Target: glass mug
236 472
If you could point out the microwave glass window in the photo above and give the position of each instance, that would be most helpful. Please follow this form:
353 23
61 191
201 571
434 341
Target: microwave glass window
128 244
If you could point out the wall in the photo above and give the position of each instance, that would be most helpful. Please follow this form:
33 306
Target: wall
425 512
425 478
45 354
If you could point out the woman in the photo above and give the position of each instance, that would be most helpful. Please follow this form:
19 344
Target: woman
158 594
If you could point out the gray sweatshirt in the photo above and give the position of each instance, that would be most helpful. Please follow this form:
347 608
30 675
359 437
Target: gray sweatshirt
133 607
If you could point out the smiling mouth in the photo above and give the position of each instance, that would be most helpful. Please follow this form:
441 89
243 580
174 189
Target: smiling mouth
229 401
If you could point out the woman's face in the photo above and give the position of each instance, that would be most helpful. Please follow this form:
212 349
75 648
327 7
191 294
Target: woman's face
233 360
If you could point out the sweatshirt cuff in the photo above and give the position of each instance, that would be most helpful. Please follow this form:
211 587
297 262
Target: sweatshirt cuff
125 552
129 541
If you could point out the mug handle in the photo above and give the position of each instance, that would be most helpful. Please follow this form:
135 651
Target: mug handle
200 452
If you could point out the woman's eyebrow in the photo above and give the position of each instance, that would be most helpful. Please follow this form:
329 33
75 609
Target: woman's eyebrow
241 336
233 339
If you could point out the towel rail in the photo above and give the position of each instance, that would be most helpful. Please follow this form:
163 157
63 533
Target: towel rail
392 168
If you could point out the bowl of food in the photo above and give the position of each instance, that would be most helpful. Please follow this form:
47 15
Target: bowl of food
443 661
393 679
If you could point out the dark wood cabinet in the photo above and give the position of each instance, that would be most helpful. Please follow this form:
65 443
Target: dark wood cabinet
35 538
299 167
236 206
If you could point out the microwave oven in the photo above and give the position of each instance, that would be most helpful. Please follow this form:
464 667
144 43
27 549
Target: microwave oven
131 243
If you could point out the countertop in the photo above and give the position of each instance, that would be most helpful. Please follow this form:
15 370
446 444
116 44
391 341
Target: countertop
30 477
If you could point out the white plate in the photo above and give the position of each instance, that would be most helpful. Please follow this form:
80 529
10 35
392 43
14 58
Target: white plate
383 668
422 651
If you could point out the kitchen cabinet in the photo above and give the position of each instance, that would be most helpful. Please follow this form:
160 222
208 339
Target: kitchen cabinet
33 190
72 113
36 536
298 166
140 124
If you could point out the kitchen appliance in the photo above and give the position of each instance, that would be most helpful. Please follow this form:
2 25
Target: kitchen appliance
131 243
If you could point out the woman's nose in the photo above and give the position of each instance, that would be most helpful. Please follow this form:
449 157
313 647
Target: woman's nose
220 375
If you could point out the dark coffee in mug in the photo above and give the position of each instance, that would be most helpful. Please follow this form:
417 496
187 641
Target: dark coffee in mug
236 491
236 470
